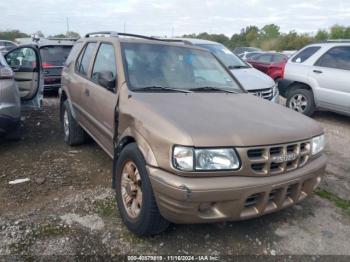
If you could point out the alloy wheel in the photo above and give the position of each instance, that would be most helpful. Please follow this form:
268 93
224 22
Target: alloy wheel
66 123
131 191
298 103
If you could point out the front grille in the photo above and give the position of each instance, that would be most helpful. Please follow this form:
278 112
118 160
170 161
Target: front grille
272 160
266 93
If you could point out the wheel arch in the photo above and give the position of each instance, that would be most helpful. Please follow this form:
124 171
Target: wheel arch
298 85
133 137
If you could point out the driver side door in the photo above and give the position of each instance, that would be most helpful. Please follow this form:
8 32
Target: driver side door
26 64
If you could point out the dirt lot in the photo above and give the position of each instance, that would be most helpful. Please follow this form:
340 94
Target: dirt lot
68 208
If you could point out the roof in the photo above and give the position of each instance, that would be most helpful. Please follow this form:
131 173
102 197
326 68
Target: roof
46 42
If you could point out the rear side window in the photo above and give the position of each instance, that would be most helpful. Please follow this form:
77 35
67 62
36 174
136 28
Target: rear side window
263 58
278 58
305 54
84 60
105 61
73 52
337 57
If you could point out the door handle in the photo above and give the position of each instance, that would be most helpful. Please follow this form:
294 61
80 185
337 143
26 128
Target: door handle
318 71
87 92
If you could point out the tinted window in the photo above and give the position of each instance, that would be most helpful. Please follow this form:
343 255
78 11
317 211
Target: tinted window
85 59
76 48
305 54
105 61
278 58
266 58
337 57
54 55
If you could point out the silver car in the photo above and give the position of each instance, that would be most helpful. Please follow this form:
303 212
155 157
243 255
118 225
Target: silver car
252 80
6 46
21 84
319 78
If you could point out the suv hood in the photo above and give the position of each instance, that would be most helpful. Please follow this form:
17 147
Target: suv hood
218 119
253 79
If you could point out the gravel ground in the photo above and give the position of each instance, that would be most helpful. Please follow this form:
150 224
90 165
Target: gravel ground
67 207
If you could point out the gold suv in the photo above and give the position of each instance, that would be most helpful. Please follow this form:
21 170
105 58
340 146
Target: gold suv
189 144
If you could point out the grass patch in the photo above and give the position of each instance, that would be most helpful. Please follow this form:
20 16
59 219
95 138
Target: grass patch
339 202
106 207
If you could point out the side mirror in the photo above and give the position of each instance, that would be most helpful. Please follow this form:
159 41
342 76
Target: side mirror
107 80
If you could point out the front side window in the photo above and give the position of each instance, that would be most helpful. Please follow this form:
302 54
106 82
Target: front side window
24 58
104 62
85 59
150 65
337 57
305 54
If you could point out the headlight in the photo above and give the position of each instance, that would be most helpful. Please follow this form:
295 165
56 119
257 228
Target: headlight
191 159
317 144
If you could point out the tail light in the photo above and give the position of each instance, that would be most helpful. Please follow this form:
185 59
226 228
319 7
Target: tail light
47 65
6 73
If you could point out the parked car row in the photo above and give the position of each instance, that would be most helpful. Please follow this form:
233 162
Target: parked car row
6 46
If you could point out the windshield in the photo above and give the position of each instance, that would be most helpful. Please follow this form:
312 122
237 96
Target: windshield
176 67
54 55
225 55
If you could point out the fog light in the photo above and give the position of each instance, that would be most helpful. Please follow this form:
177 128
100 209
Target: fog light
205 207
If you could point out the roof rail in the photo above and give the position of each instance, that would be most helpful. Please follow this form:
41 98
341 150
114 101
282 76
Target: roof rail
115 34
338 40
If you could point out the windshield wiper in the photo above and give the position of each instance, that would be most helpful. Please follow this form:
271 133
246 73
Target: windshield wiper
152 88
211 88
237 66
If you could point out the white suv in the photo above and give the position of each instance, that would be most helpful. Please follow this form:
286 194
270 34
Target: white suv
319 78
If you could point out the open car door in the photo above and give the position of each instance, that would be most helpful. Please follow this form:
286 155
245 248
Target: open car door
26 64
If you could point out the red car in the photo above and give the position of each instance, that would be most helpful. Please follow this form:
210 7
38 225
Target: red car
271 64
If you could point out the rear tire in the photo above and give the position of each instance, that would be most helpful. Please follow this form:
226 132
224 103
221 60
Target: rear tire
15 134
302 101
73 133
134 194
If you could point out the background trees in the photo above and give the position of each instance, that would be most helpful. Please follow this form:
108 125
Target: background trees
270 37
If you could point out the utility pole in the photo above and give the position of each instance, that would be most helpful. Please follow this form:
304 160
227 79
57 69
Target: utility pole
67 26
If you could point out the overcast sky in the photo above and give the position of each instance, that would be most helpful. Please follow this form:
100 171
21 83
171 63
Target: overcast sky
162 17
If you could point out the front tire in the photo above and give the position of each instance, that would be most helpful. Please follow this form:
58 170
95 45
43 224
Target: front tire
302 101
134 194
73 133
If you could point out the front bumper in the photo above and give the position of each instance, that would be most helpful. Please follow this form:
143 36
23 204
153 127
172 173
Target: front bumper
202 200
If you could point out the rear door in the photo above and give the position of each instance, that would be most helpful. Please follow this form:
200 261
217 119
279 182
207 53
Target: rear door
25 62
332 74
81 82
103 99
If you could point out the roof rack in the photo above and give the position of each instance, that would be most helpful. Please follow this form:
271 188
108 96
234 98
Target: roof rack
336 41
116 34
